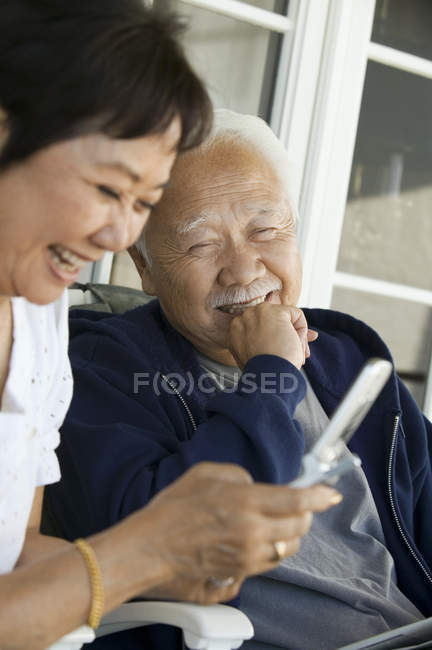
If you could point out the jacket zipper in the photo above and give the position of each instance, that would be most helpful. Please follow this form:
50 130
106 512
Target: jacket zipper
188 411
191 418
392 502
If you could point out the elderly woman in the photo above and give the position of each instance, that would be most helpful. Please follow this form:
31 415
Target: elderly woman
96 100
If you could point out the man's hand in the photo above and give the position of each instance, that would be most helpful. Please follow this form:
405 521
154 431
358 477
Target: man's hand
270 329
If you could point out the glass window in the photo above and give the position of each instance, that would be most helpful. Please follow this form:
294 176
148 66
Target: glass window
123 272
387 230
85 274
238 63
405 327
235 59
269 5
404 25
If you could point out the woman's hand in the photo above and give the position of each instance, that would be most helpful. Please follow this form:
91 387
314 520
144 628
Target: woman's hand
210 525
213 523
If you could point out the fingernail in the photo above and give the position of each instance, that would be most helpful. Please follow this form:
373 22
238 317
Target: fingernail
336 498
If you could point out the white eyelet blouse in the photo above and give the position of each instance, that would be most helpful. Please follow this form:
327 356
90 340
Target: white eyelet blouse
36 397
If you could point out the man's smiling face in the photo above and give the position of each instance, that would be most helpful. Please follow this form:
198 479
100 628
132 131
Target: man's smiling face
221 240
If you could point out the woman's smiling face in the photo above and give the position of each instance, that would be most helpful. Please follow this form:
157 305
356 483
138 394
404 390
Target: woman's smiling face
69 203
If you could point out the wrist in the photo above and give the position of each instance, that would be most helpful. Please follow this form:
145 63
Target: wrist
130 563
274 375
149 543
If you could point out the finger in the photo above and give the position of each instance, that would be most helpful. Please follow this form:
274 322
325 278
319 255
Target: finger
318 498
222 594
302 334
222 472
291 546
298 319
286 528
299 323
276 500
272 559
312 335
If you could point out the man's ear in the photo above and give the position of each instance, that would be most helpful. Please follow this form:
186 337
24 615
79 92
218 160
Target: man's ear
143 270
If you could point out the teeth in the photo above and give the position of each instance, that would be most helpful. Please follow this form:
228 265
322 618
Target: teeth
65 259
233 309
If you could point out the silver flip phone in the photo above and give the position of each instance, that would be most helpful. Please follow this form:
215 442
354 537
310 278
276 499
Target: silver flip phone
323 463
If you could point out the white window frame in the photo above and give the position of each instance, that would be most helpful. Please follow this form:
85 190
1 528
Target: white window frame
246 13
400 60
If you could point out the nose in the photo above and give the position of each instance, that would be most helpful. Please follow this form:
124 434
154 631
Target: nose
121 231
241 268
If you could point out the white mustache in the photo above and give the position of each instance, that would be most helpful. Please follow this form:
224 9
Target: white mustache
236 295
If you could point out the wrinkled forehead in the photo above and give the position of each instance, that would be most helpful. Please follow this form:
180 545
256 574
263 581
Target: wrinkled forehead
204 180
224 157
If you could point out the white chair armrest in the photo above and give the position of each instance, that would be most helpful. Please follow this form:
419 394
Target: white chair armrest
75 639
205 627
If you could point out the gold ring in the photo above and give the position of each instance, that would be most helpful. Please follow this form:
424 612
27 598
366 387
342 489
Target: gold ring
280 549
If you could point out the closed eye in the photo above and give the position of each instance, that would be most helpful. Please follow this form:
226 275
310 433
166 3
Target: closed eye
140 203
264 231
108 191
202 244
202 248
146 204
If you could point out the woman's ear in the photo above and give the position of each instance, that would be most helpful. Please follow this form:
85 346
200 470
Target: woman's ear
142 267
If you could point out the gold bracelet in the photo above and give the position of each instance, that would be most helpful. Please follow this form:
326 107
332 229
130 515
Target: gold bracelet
97 605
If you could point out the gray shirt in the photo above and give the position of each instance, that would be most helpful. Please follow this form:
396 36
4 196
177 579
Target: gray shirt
340 586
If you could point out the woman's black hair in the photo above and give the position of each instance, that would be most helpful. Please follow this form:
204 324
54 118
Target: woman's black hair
75 67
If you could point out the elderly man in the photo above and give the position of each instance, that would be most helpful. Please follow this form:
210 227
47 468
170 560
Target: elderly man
229 376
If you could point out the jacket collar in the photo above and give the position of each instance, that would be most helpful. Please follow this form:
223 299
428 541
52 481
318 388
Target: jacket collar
344 344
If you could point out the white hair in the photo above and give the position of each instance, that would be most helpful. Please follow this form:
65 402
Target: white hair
254 133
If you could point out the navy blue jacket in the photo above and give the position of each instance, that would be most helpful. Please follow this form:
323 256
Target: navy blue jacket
142 414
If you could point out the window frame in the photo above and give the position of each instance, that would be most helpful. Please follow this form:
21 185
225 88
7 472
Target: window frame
247 13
